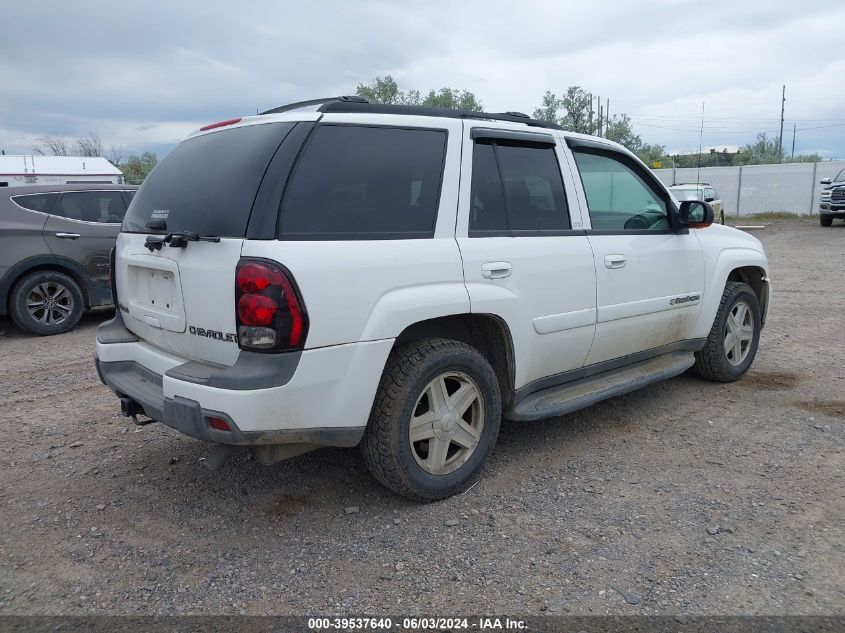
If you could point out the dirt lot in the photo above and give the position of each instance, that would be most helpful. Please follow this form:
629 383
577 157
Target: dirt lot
687 497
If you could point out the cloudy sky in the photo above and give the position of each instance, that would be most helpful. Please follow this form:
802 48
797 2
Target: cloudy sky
143 75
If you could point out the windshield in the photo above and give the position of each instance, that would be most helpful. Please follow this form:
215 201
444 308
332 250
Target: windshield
840 176
207 184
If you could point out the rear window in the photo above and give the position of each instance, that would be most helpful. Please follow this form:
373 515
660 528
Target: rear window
207 184
106 207
36 201
356 182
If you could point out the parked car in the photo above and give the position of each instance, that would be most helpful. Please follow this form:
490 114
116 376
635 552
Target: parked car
341 273
832 202
700 191
54 252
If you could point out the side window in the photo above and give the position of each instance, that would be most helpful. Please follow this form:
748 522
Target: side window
92 206
711 194
618 198
356 182
36 202
517 188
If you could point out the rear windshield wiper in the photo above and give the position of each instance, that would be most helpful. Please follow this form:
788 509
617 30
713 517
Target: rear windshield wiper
177 239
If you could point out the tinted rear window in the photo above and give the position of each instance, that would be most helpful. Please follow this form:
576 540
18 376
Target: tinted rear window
92 206
36 201
356 182
207 184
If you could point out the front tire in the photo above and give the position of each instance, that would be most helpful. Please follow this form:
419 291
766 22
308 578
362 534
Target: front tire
732 343
434 421
825 221
46 302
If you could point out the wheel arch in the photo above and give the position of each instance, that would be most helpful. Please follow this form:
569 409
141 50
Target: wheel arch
487 333
732 264
42 263
754 276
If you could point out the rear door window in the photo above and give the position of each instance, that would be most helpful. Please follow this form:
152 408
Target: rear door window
104 207
36 201
517 189
357 182
207 184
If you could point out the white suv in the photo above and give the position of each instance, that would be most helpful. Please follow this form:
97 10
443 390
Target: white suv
337 273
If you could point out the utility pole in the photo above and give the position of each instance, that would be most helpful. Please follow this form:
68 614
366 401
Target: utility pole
780 137
598 102
794 129
590 129
607 117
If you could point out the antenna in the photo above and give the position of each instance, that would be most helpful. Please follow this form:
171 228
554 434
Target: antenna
700 139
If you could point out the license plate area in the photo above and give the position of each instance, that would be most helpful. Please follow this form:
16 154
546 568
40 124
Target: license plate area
155 293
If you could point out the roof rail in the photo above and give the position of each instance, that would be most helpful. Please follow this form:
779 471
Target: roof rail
678 184
304 104
360 104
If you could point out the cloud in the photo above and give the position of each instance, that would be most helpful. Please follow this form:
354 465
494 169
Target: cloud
145 77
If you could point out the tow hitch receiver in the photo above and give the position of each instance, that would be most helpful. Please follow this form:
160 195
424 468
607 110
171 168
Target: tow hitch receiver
131 409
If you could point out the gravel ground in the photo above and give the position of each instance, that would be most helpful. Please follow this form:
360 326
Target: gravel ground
687 497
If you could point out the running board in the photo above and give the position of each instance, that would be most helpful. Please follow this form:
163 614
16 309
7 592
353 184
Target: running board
586 392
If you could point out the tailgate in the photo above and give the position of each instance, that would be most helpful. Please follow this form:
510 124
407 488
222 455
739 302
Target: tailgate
181 300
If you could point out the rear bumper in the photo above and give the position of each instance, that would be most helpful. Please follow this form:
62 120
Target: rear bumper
320 396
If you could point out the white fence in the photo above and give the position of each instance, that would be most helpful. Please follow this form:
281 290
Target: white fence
791 187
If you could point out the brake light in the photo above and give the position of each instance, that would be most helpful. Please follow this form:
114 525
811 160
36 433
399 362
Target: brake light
211 126
256 310
270 314
218 423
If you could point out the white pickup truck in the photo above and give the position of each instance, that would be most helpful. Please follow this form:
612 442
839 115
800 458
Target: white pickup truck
336 273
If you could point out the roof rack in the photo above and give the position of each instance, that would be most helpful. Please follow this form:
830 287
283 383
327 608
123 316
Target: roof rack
362 105
313 102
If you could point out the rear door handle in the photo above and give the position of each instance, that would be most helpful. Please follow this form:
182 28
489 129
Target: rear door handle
615 261
496 270
67 236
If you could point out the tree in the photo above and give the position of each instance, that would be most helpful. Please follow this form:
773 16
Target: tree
573 111
115 155
386 90
136 168
90 145
619 130
453 99
762 151
52 146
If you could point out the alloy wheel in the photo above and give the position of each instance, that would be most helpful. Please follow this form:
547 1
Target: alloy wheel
447 422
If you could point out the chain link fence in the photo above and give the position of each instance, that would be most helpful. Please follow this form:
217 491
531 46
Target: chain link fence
790 187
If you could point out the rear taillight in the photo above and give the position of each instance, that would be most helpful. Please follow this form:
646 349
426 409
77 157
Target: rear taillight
270 314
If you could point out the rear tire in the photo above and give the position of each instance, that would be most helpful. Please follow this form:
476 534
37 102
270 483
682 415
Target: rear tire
825 221
435 419
46 302
732 343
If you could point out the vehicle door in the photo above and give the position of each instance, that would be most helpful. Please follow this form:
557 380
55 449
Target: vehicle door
83 227
649 270
525 258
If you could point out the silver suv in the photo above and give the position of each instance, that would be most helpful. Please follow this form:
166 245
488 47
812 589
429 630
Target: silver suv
55 242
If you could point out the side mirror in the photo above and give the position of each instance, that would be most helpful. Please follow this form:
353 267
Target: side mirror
825 181
709 199
696 214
